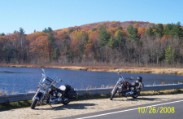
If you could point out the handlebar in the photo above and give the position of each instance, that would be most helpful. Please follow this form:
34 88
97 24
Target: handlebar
49 79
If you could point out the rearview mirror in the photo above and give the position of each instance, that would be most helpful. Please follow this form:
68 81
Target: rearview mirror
60 80
119 73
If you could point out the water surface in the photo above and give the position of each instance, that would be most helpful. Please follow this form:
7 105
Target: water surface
23 80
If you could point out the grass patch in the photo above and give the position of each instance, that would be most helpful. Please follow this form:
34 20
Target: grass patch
164 92
14 105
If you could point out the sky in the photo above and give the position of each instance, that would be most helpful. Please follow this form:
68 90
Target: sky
39 14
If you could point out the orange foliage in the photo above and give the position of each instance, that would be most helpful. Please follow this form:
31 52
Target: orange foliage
61 35
88 48
124 32
40 47
35 35
141 31
93 36
112 30
76 37
136 25
165 37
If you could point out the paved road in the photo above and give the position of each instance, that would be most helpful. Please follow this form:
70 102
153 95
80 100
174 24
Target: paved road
133 112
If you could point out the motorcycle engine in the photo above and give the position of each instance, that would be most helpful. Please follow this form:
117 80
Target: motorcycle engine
59 94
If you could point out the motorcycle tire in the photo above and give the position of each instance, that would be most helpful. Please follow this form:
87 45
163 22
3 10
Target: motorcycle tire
135 95
66 102
34 103
113 93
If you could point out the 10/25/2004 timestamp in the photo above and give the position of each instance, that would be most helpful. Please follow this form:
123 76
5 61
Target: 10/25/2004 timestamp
156 110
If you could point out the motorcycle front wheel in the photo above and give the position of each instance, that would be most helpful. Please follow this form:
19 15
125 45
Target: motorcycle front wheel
114 91
34 103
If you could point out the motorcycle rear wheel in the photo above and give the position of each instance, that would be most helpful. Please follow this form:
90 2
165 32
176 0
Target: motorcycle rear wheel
66 102
136 95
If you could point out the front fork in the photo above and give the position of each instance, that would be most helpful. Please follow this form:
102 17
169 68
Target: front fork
38 96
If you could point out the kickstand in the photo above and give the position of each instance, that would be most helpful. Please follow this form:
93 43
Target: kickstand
126 97
51 106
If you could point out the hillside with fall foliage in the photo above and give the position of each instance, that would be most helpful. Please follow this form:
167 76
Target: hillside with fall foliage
132 42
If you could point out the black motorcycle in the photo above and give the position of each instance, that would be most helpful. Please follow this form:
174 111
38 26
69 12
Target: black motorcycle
126 89
49 93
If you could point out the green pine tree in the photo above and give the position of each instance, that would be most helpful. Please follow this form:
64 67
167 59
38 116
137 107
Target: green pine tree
169 55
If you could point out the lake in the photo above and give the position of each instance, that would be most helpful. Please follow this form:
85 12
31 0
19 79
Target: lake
22 80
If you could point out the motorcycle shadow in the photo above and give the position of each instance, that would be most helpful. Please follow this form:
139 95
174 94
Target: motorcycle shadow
69 106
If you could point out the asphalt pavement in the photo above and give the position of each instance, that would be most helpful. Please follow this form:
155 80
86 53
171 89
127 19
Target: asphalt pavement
164 110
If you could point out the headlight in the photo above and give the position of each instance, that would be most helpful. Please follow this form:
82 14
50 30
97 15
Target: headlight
44 80
62 88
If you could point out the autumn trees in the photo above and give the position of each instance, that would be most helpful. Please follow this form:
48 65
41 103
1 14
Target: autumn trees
111 42
14 47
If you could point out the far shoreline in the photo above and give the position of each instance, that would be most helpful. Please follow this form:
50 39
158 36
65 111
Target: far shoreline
105 68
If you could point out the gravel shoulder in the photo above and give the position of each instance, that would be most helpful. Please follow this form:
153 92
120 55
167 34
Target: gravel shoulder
83 107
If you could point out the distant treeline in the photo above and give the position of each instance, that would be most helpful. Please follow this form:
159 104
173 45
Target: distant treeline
138 43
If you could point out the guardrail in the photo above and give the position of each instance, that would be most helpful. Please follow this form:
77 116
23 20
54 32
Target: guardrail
101 91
